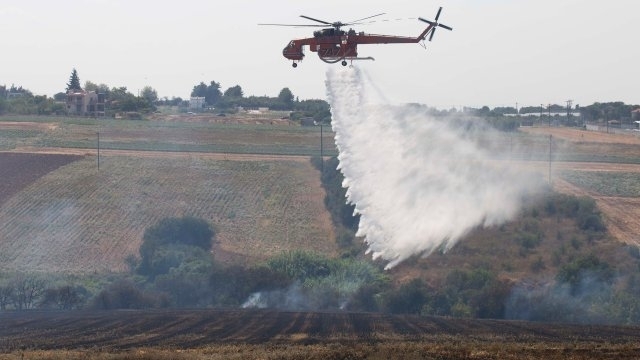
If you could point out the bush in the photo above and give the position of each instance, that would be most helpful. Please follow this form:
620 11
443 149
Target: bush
409 298
589 266
122 294
173 241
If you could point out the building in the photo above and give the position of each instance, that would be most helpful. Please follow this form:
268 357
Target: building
635 114
196 102
85 103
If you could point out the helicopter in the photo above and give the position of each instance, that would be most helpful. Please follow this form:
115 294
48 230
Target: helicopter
335 45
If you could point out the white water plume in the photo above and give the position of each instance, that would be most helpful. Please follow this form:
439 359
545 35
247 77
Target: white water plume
420 183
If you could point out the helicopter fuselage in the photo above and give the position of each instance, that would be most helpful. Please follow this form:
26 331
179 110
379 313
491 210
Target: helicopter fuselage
333 45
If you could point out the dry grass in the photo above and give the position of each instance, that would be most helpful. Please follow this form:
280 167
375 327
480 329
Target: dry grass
76 219
436 349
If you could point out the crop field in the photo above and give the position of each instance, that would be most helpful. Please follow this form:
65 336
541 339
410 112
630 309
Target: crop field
81 219
19 170
180 136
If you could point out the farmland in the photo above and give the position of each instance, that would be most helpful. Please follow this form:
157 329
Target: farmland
259 205
254 334
69 211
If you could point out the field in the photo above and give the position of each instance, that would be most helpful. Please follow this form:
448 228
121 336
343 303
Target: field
604 167
254 334
260 204
64 209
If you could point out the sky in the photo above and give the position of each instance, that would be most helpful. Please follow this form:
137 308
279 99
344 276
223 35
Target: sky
500 53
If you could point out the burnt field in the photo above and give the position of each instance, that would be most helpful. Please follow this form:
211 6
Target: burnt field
117 331
19 170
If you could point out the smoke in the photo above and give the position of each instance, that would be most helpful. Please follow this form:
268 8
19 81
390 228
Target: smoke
591 300
291 298
419 182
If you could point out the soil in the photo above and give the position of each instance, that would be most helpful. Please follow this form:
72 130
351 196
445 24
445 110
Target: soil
188 329
21 169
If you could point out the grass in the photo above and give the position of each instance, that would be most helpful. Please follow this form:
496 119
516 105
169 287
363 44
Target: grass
438 348
620 184
145 135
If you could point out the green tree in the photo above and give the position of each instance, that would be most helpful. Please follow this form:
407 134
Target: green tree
149 94
234 92
98 88
590 266
286 98
211 92
74 81
173 242
4 106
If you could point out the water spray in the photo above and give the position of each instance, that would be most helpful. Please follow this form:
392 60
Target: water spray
420 183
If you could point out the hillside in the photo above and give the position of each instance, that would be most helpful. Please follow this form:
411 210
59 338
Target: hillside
79 219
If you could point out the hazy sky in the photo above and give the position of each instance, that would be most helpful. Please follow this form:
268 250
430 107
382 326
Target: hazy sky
500 52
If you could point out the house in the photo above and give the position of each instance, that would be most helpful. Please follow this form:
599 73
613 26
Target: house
85 103
196 102
635 114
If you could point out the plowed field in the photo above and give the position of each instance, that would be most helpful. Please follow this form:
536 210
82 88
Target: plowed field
258 329
17 170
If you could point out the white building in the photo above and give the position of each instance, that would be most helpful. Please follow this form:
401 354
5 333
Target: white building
196 102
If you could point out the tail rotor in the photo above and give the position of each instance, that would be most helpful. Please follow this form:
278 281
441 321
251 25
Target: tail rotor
434 25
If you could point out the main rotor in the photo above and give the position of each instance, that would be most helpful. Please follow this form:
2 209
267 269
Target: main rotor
336 24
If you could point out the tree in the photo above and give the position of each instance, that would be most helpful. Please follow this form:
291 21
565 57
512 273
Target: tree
286 97
26 291
122 295
211 93
66 297
234 92
74 81
98 88
3 106
6 295
174 242
149 94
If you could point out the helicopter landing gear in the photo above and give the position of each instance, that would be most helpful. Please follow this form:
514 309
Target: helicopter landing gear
344 63
295 65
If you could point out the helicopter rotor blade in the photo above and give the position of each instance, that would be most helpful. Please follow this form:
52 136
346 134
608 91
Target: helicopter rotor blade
294 25
316 20
368 17
435 24
427 21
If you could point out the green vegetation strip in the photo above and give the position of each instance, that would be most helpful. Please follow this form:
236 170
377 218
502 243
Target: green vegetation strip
624 184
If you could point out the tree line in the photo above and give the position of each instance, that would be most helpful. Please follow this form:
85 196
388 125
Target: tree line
17 100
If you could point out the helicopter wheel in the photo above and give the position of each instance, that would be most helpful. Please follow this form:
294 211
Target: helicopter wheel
344 63
295 65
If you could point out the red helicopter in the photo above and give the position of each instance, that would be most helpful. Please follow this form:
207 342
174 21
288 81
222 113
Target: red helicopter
334 45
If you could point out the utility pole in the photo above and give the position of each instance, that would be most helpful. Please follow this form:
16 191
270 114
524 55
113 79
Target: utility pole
321 151
569 106
98 133
549 115
541 110
550 158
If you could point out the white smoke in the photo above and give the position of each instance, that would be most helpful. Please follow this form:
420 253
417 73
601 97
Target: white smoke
419 183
